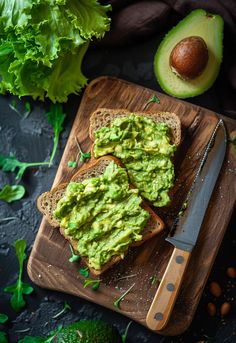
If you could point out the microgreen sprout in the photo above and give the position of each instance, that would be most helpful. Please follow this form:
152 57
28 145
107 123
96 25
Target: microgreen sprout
74 257
19 288
153 98
72 164
125 334
56 118
28 109
95 283
84 272
116 302
12 105
31 339
153 280
83 155
64 310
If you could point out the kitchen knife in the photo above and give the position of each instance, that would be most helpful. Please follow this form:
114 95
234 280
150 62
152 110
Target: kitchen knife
186 228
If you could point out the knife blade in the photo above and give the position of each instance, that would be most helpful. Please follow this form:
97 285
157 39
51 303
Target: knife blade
186 228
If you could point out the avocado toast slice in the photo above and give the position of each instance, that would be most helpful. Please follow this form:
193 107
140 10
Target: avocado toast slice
145 143
48 202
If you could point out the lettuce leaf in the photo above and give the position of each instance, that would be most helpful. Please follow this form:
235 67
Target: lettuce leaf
43 42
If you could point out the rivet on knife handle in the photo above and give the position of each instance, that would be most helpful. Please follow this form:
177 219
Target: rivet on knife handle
167 292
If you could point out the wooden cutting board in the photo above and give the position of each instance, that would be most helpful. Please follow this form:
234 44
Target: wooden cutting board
48 265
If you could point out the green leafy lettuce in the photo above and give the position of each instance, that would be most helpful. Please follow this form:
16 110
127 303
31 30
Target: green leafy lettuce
43 42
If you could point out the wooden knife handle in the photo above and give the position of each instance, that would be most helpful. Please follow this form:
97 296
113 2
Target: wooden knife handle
167 292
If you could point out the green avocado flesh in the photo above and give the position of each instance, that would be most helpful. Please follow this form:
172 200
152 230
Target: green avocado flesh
198 23
144 147
88 331
103 214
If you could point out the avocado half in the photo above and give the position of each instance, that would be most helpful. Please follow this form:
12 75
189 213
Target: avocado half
198 23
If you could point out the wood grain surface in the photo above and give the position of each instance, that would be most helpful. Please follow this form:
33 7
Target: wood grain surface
48 264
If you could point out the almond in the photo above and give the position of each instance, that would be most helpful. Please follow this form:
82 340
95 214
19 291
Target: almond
231 272
225 309
211 309
215 289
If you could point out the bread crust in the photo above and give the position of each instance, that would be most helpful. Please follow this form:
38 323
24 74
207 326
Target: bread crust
47 202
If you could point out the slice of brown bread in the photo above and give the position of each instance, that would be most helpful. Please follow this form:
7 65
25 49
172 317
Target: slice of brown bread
47 203
103 117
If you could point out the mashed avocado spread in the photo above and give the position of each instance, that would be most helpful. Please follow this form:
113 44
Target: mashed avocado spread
103 214
144 147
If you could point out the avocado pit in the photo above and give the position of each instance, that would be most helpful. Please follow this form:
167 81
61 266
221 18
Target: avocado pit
189 57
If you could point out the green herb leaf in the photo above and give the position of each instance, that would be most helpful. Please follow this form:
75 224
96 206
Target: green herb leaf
3 338
84 272
3 318
153 280
19 288
116 302
53 334
125 334
72 164
37 339
12 193
95 283
65 309
83 155
74 257
28 109
56 118
12 105
153 98
10 164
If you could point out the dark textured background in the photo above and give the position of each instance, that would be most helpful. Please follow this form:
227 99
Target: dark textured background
31 140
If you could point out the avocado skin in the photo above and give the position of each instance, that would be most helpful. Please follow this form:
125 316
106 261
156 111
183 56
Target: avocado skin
88 331
192 25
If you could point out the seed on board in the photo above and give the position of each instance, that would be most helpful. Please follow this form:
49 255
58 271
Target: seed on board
215 289
225 309
231 272
211 309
